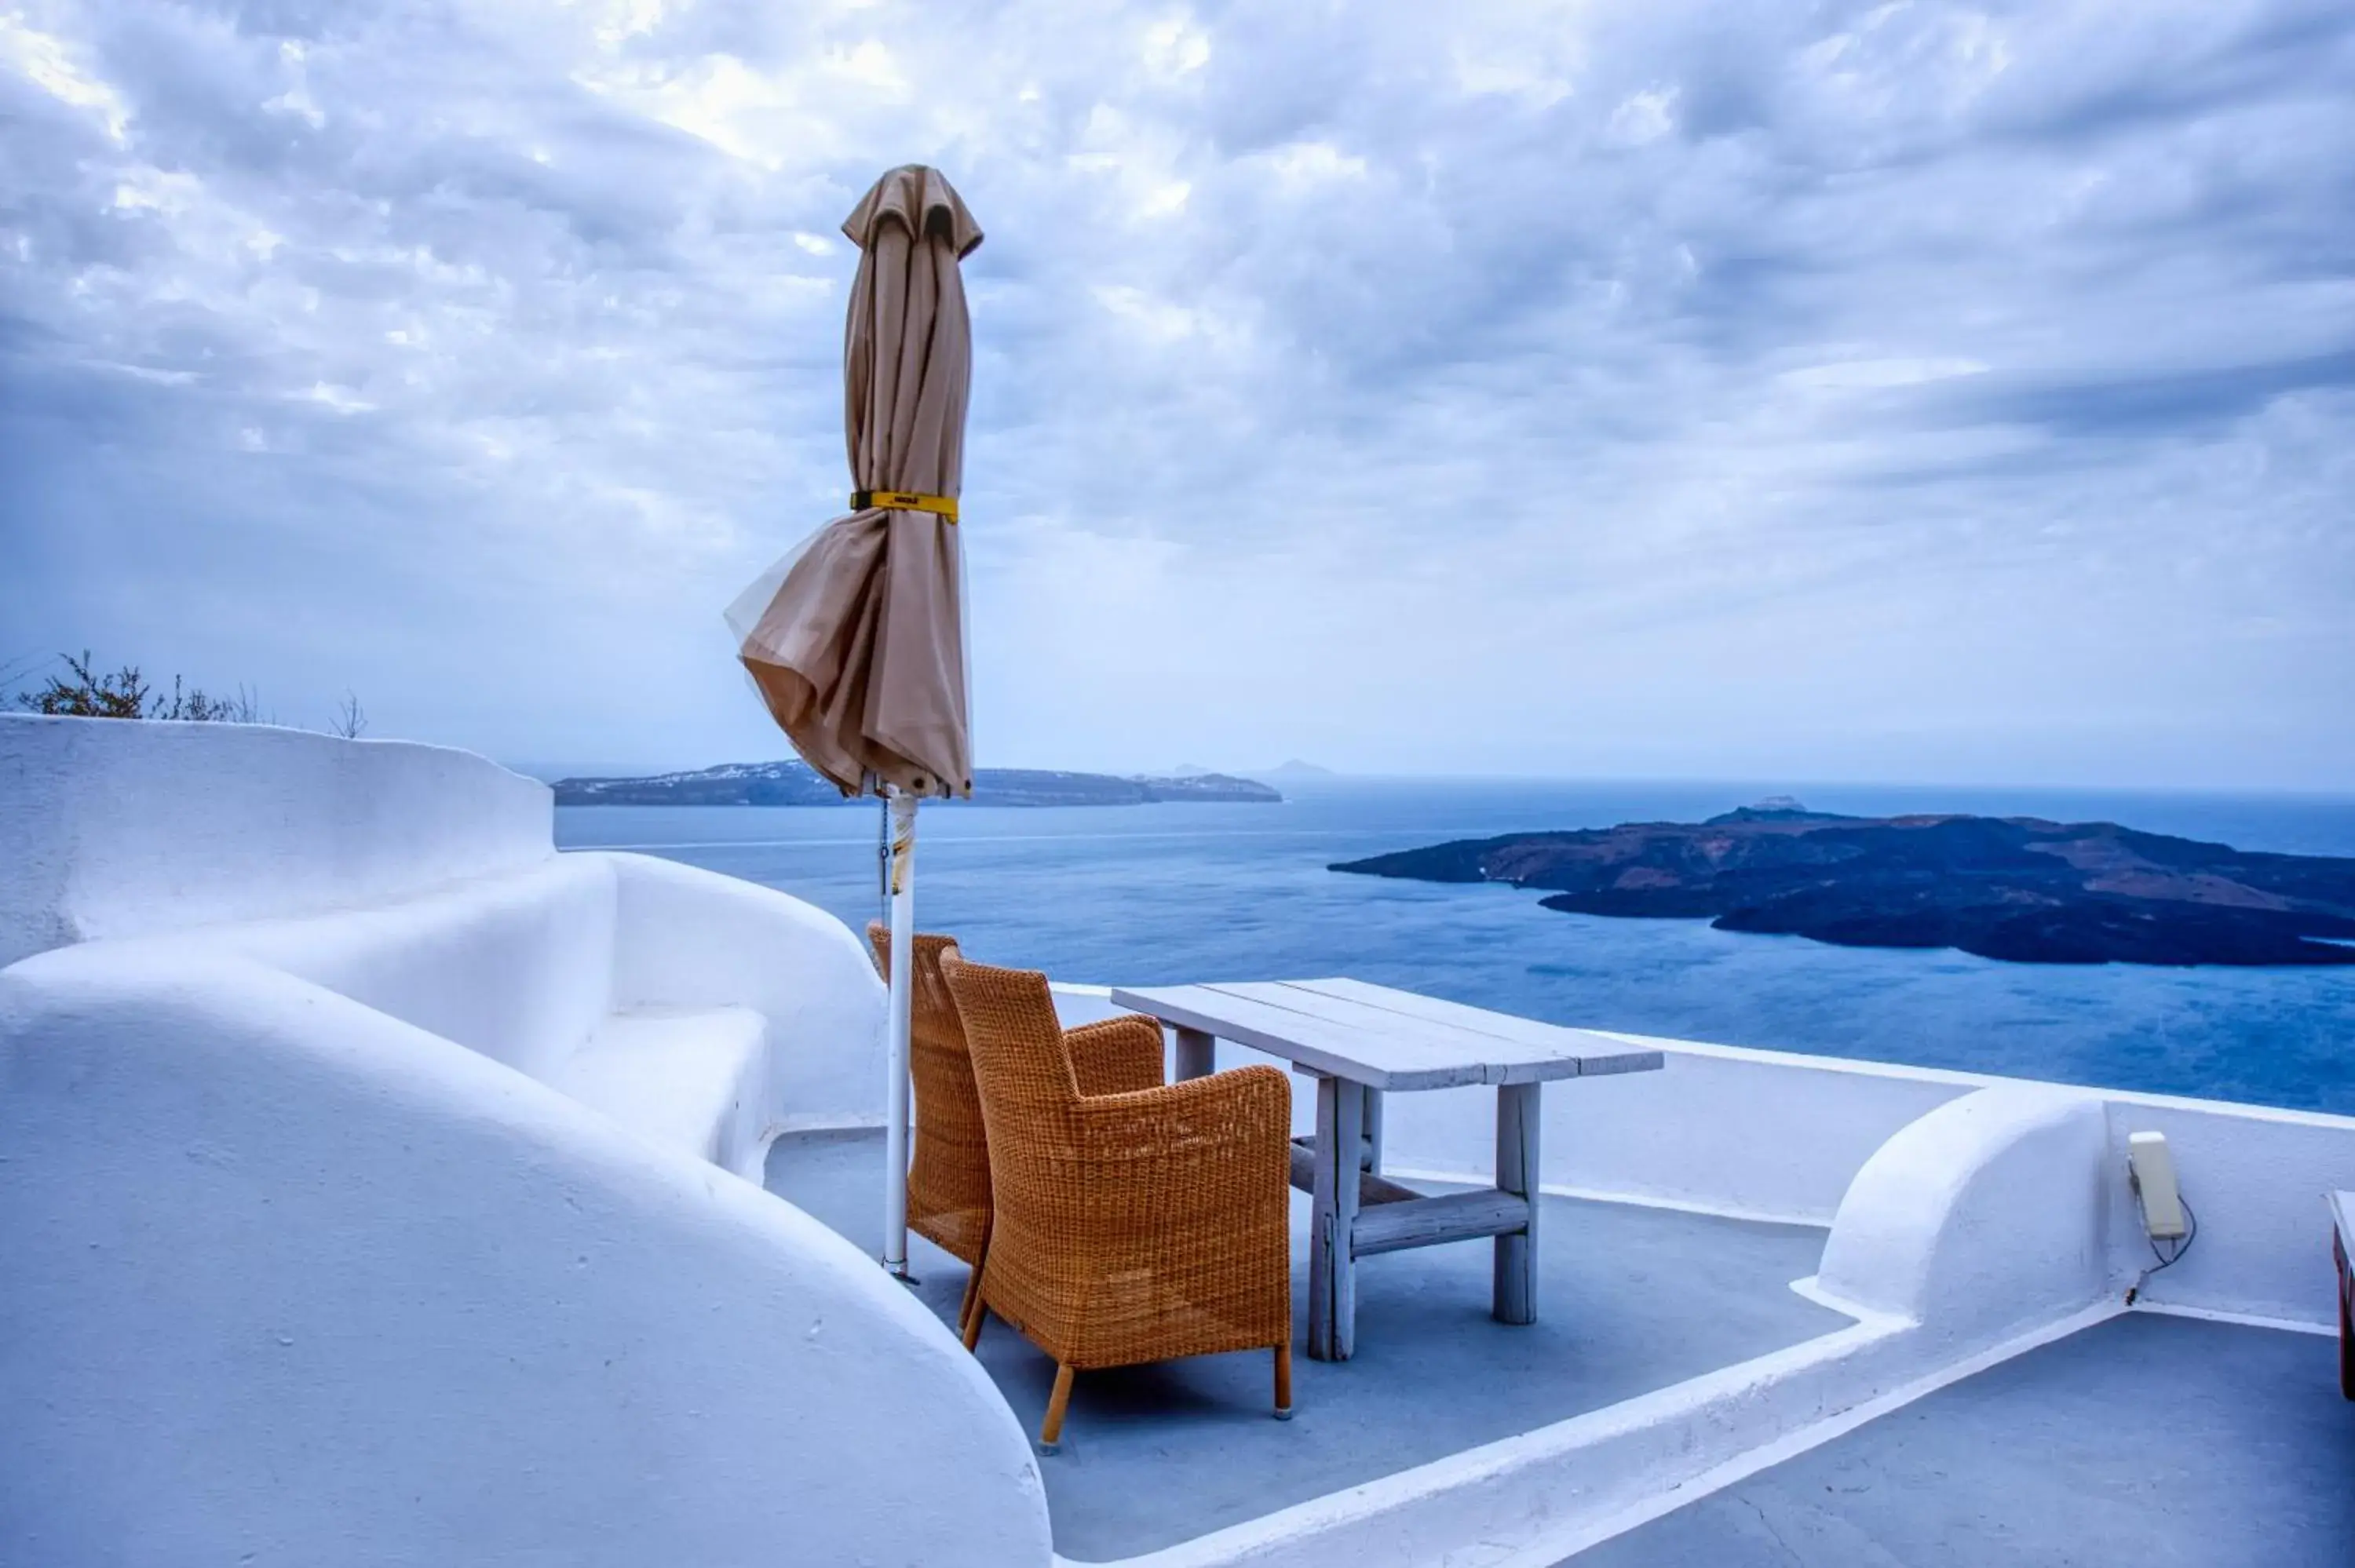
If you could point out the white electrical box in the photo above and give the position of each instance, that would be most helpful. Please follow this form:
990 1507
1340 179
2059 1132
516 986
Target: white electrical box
2152 1168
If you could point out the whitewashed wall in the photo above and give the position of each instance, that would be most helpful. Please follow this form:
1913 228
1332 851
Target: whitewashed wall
687 938
1763 1135
292 1281
515 966
1983 1220
1759 1134
114 829
523 966
2256 1178
307 1261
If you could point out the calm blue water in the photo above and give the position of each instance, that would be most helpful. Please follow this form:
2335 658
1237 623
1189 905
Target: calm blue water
1160 894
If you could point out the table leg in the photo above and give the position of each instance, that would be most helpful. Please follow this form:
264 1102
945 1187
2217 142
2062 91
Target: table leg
1332 1270
1373 1160
1197 1053
1516 1298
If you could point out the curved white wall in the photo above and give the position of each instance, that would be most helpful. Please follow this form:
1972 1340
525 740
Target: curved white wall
114 829
292 1281
518 967
1985 1218
308 1263
522 966
686 936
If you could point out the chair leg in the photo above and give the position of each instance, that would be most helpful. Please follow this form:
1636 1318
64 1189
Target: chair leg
1284 1381
972 1298
971 1325
1051 1433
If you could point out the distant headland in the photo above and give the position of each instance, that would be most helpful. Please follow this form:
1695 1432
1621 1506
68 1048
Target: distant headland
2017 888
796 784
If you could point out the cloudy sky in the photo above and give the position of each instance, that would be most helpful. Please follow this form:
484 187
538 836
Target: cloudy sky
1900 392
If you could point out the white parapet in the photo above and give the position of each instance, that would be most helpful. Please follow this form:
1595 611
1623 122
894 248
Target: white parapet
291 1280
120 828
375 1187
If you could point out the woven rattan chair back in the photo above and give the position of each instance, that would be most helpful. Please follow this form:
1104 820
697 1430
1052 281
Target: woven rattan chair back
1022 1066
948 1170
1127 1226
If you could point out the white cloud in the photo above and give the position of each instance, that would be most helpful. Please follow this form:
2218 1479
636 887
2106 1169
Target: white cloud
1879 373
1643 117
1608 384
1157 319
1175 47
1299 164
45 61
341 400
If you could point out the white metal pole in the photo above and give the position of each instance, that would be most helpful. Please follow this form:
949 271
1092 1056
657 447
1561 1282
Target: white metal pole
895 1096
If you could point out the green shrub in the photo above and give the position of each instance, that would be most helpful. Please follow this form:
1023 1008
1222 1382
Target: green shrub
81 692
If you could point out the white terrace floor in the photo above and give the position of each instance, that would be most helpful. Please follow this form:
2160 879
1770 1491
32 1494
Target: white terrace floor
2146 1440
1633 1300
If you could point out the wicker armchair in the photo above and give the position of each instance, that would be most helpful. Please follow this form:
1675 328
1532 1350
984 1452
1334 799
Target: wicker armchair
948 1168
1129 1227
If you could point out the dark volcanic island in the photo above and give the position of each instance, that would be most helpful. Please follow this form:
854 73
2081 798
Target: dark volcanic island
2009 888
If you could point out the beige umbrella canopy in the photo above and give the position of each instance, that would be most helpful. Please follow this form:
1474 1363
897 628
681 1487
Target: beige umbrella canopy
856 639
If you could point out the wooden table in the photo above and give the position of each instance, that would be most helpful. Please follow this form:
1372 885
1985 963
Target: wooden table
1360 1043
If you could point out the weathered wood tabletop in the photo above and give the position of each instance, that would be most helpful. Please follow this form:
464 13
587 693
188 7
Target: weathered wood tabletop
1361 1042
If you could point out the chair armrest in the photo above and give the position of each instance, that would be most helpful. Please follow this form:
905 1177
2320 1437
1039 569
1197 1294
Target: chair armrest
1205 1144
1116 1055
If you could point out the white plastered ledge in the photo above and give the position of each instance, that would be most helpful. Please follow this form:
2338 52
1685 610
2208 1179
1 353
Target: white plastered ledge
292 1281
110 828
311 1259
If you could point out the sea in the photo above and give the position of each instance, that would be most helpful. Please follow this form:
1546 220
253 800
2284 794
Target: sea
1169 893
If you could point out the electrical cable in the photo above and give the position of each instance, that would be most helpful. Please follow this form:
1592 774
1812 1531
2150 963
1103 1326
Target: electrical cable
2167 1259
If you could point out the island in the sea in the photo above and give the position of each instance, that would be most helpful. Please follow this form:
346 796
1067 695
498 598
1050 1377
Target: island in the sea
796 783
2011 887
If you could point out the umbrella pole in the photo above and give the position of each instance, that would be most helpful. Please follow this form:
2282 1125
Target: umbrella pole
895 1099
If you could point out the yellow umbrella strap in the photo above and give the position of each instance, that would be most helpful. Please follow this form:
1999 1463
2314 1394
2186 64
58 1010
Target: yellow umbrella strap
903 501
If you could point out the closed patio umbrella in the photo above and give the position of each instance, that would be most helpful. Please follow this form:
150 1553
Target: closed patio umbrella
856 640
